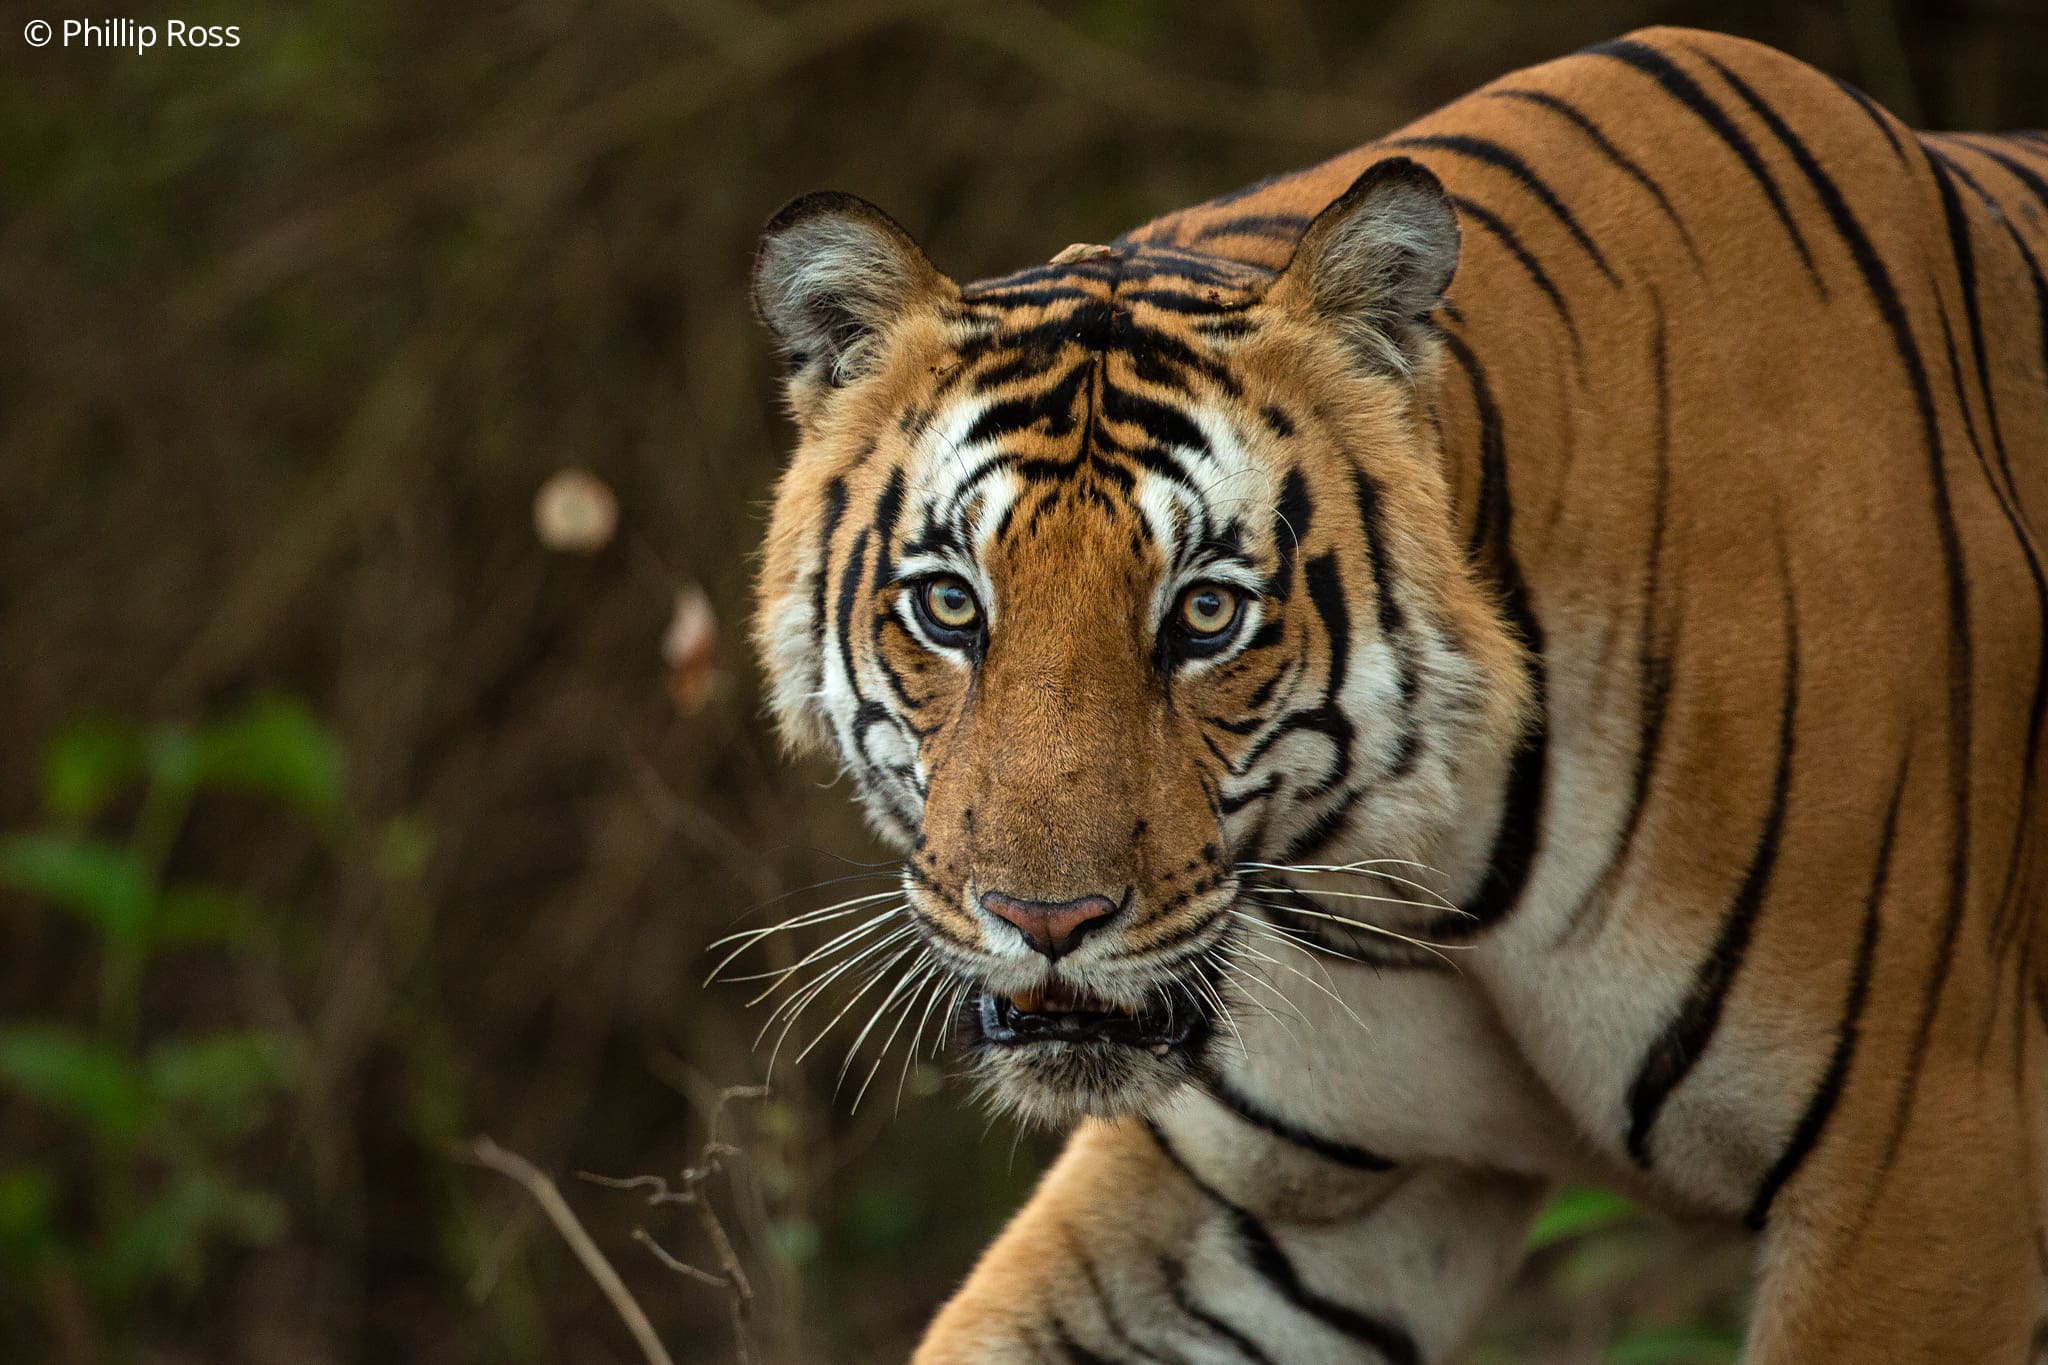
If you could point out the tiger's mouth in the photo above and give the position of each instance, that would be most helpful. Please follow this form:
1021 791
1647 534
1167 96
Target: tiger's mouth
1055 1053
1057 1012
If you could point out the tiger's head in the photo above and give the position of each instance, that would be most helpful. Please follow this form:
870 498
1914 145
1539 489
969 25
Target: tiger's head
1109 582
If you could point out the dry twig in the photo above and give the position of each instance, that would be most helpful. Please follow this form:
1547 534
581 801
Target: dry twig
488 1154
730 1276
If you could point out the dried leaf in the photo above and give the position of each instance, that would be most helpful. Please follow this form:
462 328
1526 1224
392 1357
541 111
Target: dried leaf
575 513
689 648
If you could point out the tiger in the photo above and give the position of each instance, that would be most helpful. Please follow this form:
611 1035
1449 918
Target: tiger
1512 656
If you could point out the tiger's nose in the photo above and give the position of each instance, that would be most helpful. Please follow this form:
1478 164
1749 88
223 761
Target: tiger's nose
1054 928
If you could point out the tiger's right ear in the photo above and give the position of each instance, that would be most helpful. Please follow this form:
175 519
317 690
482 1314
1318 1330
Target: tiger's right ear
832 273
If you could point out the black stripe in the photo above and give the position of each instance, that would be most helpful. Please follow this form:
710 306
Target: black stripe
1893 310
1166 425
1248 1109
2020 171
1505 235
1520 831
1291 520
1176 1276
1087 267
1683 88
1877 115
1002 297
2034 270
1231 805
849 592
2006 916
1325 586
1655 645
1179 301
1828 1093
1491 153
1196 267
1393 622
1961 247
1281 226
1687 1036
1627 165
1264 692
887 508
1270 1260
1053 406
1104 1303
835 508
1074 1350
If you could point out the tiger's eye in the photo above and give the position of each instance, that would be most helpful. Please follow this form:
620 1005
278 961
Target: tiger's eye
950 603
1208 609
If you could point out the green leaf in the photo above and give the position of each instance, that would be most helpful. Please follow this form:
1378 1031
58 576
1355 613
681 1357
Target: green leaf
77 1076
275 748
201 914
86 765
403 849
225 1078
167 1239
28 1198
1575 1212
1675 1346
103 883
171 758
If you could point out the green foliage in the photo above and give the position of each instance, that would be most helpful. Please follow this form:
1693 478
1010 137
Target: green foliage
104 884
158 1124
1592 1249
1575 1212
1675 1346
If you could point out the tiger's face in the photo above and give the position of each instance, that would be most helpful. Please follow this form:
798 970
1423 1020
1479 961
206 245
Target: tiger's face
1117 584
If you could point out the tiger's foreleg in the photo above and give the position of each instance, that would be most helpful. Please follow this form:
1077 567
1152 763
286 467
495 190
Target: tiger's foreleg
1133 1250
1923 1243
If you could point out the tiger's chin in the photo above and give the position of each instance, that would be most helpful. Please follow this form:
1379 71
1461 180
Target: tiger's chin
1054 1058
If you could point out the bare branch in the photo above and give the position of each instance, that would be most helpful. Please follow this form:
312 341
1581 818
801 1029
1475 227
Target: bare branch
488 1154
656 1190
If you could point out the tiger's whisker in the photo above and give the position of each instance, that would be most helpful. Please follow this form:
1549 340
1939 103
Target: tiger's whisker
796 1006
818 916
1283 889
908 986
1240 973
1208 992
1336 999
894 871
801 998
935 992
1295 939
1436 896
876 975
820 954
753 936
1437 949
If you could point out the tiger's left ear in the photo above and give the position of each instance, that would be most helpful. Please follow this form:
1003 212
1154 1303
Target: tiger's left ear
1376 262
831 275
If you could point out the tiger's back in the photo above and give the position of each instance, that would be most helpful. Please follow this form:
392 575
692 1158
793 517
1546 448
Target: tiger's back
1749 382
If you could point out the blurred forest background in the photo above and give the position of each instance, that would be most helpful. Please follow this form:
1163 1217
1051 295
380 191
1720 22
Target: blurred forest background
345 821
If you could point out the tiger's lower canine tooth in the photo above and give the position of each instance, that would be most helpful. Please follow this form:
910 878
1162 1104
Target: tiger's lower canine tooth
1030 1001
